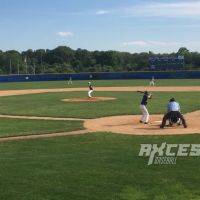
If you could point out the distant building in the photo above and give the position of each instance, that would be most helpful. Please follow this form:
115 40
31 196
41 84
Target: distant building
166 63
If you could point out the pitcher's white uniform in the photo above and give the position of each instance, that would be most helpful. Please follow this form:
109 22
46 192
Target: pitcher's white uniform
90 89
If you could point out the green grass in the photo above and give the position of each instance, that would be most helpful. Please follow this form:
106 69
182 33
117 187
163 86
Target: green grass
15 127
95 167
50 104
105 83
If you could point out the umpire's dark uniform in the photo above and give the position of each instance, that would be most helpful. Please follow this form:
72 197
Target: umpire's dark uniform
173 111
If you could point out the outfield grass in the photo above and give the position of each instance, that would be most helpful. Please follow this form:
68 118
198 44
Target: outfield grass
97 83
15 127
50 104
95 167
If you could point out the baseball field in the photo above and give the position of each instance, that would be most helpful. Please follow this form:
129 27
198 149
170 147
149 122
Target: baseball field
57 144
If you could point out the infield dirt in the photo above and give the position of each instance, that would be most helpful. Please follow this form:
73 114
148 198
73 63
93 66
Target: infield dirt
128 124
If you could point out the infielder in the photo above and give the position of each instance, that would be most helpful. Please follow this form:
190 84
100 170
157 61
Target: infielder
152 81
90 89
145 114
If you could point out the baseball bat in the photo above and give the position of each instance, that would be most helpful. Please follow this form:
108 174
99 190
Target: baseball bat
140 91
148 93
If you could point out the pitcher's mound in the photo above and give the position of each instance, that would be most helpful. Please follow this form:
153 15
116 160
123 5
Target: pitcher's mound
89 99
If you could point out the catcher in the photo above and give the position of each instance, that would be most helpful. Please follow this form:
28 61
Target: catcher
173 114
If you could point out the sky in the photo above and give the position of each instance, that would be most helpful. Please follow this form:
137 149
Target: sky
160 26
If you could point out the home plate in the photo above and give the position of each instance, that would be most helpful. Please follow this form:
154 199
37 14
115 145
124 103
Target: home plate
158 121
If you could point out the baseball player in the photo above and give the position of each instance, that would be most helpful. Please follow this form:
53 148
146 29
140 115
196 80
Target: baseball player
145 114
152 81
173 108
70 80
90 89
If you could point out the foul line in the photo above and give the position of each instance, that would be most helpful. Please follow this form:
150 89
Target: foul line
48 135
40 118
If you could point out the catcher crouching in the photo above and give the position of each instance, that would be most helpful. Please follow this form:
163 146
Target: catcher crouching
173 115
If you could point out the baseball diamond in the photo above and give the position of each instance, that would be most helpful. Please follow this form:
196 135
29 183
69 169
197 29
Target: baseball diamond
100 100
116 124
54 140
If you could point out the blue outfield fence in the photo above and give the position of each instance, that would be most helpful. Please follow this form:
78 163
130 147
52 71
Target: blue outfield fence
102 76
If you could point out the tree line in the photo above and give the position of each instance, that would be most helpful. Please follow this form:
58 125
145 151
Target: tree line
66 60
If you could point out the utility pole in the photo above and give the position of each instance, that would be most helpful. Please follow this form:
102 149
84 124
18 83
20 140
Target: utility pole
41 63
18 67
10 66
26 67
33 66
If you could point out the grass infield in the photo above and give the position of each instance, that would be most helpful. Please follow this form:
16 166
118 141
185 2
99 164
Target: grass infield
16 127
50 104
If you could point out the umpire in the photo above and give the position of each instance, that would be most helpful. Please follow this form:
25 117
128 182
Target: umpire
173 111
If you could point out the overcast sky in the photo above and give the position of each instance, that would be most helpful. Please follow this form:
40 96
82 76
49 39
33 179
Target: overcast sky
122 25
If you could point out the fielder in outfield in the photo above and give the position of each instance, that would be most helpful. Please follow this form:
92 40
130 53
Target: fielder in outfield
70 80
145 114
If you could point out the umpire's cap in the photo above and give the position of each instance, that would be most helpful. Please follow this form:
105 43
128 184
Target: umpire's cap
172 99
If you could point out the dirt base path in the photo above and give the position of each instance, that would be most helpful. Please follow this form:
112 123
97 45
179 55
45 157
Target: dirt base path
40 118
48 135
103 89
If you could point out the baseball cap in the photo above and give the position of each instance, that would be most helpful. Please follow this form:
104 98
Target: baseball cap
172 99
